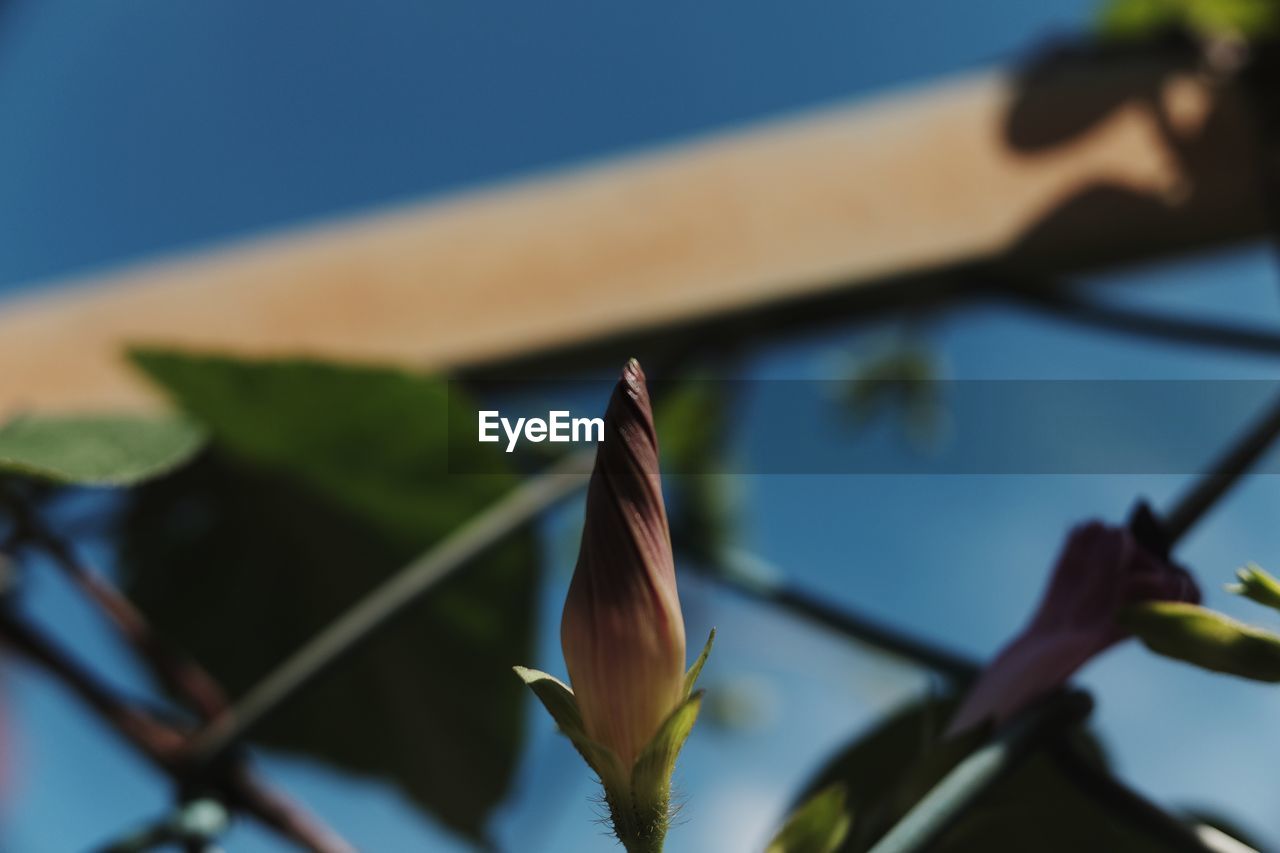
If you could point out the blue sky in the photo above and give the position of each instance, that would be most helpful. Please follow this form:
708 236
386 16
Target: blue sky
148 127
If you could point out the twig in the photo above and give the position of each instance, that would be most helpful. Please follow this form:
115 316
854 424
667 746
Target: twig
1113 795
174 668
357 624
1061 301
1235 461
734 572
165 744
195 825
158 741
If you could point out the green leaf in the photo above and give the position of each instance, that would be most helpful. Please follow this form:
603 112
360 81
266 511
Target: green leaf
887 770
1137 18
373 440
97 450
819 825
1257 585
1252 19
1205 638
691 677
1144 18
322 481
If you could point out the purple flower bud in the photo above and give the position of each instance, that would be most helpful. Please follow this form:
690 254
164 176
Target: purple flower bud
1101 571
622 631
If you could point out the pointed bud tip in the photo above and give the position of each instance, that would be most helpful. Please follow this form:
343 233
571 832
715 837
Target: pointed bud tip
633 376
630 404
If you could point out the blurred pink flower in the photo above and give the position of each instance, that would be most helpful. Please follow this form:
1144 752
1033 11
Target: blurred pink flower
1101 570
622 631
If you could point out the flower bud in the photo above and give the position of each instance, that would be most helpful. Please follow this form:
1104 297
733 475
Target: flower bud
1257 585
1100 572
1207 639
622 631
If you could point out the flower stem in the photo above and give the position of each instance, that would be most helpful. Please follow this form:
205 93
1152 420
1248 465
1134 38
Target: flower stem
651 844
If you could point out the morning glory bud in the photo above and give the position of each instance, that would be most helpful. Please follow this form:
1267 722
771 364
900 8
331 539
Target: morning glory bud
1100 572
622 631
631 706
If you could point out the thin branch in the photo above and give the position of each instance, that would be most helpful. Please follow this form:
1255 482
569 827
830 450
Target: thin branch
158 741
734 572
194 825
362 620
165 745
251 794
1235 462
1121 801
174 668
1061 301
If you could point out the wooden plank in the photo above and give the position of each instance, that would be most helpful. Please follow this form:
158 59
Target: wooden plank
1064 172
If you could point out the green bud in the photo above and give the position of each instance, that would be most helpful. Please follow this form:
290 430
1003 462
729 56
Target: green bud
1206 638
1257 585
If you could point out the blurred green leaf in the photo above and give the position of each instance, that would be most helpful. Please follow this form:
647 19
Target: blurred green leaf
1134 18
99 450
322 481
691 424
1248 18
1140 18
901 382
888 769
819 825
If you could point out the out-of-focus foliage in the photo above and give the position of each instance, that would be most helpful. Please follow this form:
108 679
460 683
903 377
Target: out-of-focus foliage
1137 18
900 382
887 770
741 703
1206 638
819 825
322 480
102 450
692 424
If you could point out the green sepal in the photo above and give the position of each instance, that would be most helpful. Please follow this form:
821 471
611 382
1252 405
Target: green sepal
691 677
558 699
1206 638
819 825
639 801
650 810
1257 585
